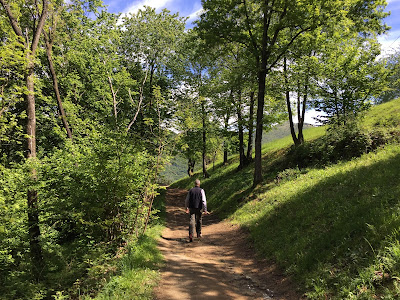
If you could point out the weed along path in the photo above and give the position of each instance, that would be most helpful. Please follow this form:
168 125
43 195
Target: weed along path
221 265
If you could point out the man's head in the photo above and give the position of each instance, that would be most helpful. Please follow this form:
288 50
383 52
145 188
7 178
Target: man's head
197 182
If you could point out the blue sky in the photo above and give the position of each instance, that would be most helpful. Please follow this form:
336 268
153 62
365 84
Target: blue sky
391 40
191 8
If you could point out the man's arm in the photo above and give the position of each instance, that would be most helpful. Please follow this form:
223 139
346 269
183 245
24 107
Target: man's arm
187 203
204 200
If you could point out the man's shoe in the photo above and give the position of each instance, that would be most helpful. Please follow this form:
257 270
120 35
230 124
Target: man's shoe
199 235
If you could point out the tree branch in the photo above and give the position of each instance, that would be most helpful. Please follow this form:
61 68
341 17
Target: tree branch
13 21
39 28
140 101
253 41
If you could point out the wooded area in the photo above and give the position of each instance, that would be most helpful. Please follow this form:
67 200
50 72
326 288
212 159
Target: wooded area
93 105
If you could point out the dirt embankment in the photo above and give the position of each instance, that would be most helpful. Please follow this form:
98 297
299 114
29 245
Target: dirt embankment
221 265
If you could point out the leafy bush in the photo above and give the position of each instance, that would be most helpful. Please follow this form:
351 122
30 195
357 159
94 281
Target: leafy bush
289 174
342 143
91 200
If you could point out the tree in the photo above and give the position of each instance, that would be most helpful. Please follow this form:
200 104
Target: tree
30 41
12 66
264 30
269 29
195 76
150 41
392 89
351 78
97 190
299 72
231 85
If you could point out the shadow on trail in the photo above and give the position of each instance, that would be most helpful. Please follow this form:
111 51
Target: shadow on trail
220 265
177 218
212 282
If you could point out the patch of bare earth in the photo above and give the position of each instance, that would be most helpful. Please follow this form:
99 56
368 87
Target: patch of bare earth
221 265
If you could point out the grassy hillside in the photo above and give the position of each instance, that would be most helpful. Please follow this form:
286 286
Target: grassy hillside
280 131
335 229
177 168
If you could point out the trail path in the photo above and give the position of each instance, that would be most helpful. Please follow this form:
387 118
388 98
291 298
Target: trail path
221 265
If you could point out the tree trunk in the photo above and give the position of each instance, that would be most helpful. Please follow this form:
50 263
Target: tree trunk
303 113
262 74
49 47
240 129
289 107
114 96
190 170
225 154
226 124
32 200
160 151
249 157
34 235
203 110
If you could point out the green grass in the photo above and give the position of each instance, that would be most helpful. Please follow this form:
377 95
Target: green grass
139 270
328 225
335 229
386 114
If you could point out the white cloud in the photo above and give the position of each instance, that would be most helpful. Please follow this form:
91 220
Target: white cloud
309 117
195 15
390 42
157 4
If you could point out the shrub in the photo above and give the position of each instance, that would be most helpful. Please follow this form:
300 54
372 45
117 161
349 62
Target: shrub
288 174
342 142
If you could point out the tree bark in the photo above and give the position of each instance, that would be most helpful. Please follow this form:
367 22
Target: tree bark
262 74
191 164
226 124
204 129
240 129
303 113
249 157
49 47
289 107
32 200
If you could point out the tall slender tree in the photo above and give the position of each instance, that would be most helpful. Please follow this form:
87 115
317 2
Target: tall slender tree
30 43
49 34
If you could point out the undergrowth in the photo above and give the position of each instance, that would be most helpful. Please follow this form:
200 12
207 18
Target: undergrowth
130 274
137 273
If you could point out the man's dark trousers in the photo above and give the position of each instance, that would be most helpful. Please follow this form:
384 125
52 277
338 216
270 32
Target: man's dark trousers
195 220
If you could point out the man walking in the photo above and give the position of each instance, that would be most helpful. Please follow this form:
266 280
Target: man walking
196 204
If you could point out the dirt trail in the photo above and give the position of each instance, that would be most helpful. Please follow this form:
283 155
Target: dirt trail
221 265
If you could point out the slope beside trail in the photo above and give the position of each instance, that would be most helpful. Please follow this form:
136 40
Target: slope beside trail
221 265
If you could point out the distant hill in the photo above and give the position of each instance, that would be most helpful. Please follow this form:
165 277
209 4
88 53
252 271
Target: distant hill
177 168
